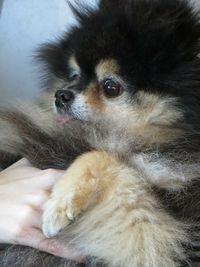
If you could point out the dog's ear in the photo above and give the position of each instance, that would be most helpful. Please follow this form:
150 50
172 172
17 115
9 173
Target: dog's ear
52 56
108 3
79 9
104 2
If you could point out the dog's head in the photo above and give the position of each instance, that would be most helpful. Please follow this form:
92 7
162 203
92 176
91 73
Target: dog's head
133 64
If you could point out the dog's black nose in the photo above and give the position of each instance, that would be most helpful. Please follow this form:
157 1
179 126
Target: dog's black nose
64 97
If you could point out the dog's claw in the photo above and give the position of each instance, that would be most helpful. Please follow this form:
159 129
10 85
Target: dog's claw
55 218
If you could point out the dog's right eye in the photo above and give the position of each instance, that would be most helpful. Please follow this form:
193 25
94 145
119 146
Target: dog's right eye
74 76
112 88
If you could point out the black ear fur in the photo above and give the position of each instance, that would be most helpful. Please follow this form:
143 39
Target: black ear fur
174 17
106 3
52 56
79 9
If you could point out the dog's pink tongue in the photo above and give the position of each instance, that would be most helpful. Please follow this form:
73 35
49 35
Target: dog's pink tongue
62 119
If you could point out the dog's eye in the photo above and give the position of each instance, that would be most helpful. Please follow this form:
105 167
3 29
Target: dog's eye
112 88
74 76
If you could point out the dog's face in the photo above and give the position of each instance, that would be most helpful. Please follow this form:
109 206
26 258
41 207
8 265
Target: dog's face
130 65
98 95
107 95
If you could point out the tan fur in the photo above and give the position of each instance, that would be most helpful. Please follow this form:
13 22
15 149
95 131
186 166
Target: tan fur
92 97
156 134
152 118
156 116
155 108
87 183
118 212
73 64
107 67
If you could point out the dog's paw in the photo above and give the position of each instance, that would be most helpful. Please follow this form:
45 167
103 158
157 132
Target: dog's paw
57 215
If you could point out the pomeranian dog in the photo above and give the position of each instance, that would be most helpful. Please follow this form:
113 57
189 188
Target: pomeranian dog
124 90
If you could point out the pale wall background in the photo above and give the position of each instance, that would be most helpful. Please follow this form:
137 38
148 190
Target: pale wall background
24 24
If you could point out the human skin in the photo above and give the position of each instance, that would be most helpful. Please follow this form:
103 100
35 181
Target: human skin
23 192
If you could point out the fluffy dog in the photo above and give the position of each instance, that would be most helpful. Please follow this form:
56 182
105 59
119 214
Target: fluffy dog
125 84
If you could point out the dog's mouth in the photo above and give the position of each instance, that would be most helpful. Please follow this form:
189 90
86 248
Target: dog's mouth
62 119
63 115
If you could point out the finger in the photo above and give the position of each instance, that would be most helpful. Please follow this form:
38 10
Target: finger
35 219
36 200
20 163
43 180
22 215
50 178
18 172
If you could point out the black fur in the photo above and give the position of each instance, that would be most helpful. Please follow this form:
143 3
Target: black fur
156 43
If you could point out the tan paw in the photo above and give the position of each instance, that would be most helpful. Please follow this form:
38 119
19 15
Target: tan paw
58 213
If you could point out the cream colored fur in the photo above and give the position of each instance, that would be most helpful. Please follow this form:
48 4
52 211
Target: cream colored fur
120 220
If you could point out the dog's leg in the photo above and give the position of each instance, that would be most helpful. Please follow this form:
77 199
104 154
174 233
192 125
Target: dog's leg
122 223
85 183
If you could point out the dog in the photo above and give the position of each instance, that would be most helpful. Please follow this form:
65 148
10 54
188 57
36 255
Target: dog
120 113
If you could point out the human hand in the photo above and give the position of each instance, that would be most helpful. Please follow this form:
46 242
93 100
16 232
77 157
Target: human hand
23 192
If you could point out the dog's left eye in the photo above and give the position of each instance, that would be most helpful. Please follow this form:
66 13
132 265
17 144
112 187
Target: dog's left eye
112 88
